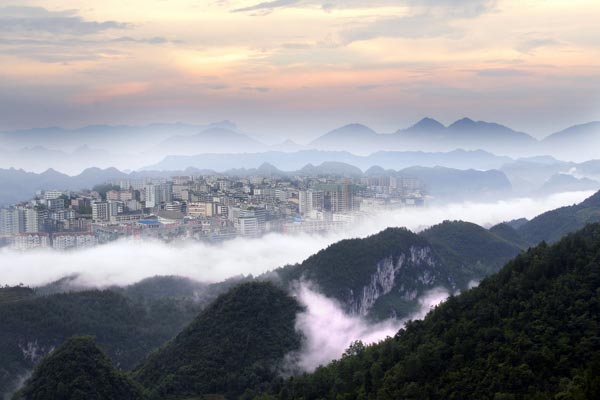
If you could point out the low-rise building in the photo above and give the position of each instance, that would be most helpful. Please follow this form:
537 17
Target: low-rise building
29 241
73 240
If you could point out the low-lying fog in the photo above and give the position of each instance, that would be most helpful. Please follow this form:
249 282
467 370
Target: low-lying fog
124 262
329 331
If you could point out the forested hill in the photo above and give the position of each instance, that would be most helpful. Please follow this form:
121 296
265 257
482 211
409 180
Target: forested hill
238 343
553 225
78 370
384 274
127 330
532 331
470 250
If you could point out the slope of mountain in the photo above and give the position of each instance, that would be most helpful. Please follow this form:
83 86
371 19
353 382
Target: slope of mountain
453 184
431 135
383 275
428 127
356 138
588 169
531 331
78 369
125 329
567 183
466 134
577 133
11 294
508 231
460 159
528 175
362 272
553 225
331 168
213 140
239 342
19 185
106 137
579 142
287 146
487 132
469 249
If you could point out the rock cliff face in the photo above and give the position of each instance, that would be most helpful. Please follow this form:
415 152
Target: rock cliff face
391 275
34 352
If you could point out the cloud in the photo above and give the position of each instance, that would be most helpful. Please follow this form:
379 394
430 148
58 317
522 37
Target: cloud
328 331
38 19
413 27
502 72
127 261
152 40
260 89
464 8
529 45
49 36
268 5
427 19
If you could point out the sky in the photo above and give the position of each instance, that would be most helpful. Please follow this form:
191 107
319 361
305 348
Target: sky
298 68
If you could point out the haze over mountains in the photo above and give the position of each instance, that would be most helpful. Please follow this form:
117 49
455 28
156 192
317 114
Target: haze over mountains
133 147
444 183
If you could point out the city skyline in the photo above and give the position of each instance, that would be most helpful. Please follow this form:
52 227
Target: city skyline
297 68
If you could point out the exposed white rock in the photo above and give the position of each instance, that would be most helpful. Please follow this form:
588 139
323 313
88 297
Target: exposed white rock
383 280
34 352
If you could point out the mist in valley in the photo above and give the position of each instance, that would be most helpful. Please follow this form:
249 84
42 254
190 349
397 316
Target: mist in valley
329 331
127 261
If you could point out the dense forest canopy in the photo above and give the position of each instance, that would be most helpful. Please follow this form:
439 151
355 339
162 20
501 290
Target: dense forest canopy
237 344
532 331
78 370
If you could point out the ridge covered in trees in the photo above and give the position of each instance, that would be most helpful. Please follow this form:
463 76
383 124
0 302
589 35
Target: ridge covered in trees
78 370
238 343
532 331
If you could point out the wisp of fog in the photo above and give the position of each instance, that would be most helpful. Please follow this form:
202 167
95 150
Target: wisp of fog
328 331
127 261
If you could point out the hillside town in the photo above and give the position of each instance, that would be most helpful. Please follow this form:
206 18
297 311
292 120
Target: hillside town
207 208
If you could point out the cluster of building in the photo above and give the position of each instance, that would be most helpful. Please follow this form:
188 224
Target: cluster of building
211 208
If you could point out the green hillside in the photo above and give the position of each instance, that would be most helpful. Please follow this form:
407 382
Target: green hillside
384 274
553 225
470 250
510 234
11 294
126 330
78 370
238 343
532 331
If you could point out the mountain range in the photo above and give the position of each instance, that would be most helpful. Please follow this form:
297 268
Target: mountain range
574 143
156 141
441 182
106 137
521 177
200 328
530 331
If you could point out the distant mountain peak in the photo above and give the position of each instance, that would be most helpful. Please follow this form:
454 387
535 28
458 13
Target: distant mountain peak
428 124
355 127
352 132
463 123
226 124
268 168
